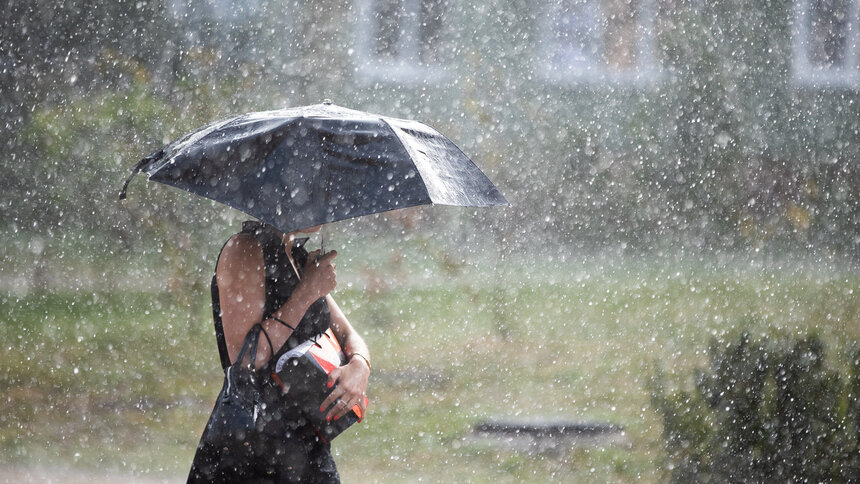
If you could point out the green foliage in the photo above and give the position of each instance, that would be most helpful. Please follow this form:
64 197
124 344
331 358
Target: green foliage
75 156
448 351
764 410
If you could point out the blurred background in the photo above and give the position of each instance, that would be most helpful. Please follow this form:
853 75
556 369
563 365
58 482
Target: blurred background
680 172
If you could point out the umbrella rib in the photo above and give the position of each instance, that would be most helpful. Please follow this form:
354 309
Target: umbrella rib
420 176
190 139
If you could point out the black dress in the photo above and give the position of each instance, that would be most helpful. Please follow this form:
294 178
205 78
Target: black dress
284 447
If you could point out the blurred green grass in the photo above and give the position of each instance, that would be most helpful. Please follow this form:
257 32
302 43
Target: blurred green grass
125 380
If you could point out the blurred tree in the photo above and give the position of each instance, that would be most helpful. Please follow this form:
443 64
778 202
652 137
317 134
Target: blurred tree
695 131
52 53
82 150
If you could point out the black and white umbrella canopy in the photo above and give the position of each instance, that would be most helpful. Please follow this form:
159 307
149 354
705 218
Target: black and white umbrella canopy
300 167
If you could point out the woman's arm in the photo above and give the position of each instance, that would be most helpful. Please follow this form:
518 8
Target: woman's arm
350 380
317 281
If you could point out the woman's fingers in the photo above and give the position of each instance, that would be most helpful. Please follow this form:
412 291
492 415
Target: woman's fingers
341 400
334 394
359 400
327 258
345 406
320 274
362 404
349 399
339 406
336 405
345 410
315 259
348 384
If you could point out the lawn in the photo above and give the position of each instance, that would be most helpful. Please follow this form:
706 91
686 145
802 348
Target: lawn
124 380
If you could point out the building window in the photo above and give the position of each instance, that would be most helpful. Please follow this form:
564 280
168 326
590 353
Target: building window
825 43
400 40
600 40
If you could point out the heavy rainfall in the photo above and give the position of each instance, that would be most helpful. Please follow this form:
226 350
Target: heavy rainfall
671 296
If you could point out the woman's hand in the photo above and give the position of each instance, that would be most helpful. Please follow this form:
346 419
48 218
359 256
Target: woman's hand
349 384
318 278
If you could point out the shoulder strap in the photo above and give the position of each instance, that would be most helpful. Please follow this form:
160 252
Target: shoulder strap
216 317
274 259
270 262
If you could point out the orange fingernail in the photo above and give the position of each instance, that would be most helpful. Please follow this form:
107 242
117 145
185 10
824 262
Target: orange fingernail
328 384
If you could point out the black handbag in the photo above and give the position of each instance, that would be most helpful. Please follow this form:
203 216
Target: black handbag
232 436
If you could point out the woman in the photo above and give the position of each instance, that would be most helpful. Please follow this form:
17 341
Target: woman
267 284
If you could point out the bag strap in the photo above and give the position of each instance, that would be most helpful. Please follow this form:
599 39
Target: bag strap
249 346
216 317
269 340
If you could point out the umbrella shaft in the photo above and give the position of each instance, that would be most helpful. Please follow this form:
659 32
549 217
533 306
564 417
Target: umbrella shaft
322 240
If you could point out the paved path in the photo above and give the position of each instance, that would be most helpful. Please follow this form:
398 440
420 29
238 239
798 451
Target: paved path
62 475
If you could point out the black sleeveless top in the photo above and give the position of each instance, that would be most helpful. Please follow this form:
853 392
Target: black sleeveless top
281 281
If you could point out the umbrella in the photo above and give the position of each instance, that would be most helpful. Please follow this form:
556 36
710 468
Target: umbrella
300 167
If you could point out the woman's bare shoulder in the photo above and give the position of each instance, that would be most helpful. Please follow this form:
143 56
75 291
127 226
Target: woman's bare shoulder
241 250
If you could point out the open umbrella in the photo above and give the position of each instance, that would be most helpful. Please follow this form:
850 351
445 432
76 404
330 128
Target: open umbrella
300 167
